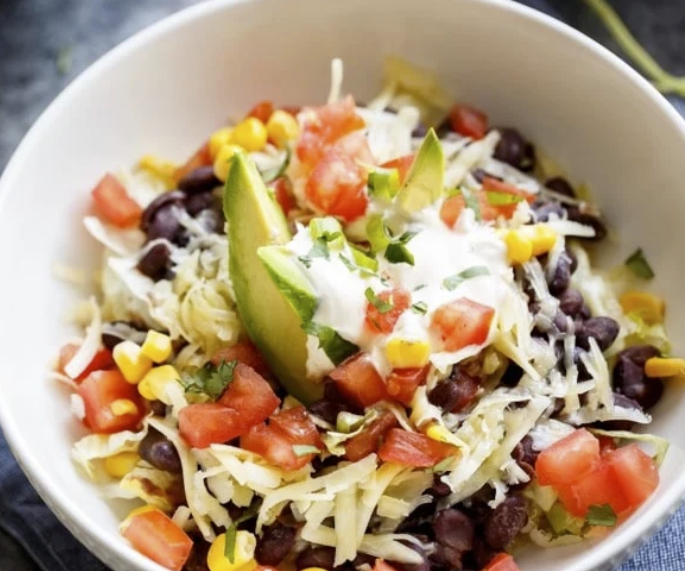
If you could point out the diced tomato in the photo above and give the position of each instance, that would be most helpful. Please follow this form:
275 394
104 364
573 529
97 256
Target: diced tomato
568 459
114 204
634 472
251 395
155 535
337 186
413 449
606 444
325 125
262 111
358 381
496 185
284 194
370 440
451 209
502 562
201 158
202 424
461 323
275 441
379 322
402 164
595 488
248 401
469 121
402 383
102 360
381 565
244 352
98 391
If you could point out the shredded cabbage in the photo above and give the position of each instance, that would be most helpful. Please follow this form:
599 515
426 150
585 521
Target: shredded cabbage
90 450
87 350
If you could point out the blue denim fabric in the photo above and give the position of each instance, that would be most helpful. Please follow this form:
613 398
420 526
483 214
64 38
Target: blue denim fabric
24 519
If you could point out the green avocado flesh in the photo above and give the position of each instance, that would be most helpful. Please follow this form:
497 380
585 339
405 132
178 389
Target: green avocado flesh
256 221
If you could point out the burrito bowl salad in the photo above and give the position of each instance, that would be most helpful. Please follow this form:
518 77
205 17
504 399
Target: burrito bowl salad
349 336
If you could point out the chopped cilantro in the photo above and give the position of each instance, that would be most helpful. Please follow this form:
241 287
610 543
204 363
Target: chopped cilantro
210 380
638 264
601 515
232 530
381 305
420 307
452 282
471 202
336 348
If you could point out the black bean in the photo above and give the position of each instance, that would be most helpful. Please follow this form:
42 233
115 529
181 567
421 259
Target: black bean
419 522
544 211
202 179
512 375
454 529
561 186
158 408
455 393
115 332
316 557
420 130
163 200
574 260
585 313
274 545
327 410
439 489
561 278
505 522
526 456
198 556
576 215
158 450
511 148
165 224
639 354
196 203
603 330
571 302
529 159
630 380
156 262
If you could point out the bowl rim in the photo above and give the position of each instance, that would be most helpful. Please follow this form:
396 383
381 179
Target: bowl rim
74 517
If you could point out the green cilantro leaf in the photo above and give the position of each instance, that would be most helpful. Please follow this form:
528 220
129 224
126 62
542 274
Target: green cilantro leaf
638 264
420 308
210 380
336 348
382 306
232 530
452 282
301 450
471 202
601 515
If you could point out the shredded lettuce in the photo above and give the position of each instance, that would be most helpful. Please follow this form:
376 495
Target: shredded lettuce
90 450
659 443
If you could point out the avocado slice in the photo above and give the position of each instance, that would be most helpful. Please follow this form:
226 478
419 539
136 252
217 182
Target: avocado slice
425 179
255 220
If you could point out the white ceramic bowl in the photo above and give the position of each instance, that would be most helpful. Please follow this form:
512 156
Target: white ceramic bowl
165 89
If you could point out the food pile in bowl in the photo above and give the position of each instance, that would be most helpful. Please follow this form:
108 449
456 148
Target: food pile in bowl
363 336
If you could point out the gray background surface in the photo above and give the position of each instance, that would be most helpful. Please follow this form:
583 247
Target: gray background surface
45 44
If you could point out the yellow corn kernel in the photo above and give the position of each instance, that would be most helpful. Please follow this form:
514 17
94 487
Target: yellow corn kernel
219 139
131 361
439 433
404 354
159 168
221 162
245 544
157 346
659 367
282 127
121 464
541 236
153 384
519 248
649 307
250 134
120 407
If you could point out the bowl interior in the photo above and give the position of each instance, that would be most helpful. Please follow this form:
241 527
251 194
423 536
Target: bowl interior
167 89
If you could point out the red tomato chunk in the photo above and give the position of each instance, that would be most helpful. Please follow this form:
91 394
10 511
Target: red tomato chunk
402 383
568 459
379 322
502 562
370 440
413 449
102 388
277 441
244 352
152 533
114 204
461 323
358 381
469 122
102 360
